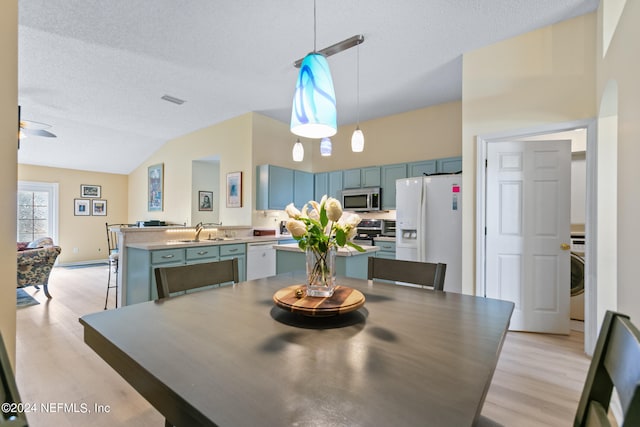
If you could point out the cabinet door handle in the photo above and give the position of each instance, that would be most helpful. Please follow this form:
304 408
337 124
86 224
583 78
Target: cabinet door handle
203 252
233 250
168 256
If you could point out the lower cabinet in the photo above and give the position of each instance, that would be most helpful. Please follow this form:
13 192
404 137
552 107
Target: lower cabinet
387 249
141 281
236 251
349 266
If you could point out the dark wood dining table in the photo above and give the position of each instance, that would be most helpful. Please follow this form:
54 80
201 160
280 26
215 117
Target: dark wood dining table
230 357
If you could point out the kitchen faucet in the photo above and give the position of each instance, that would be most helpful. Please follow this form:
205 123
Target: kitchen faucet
200 226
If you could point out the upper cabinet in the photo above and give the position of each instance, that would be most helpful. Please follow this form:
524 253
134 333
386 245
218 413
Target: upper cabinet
335 185
449 165
302 188
390 174
276 187
351 178
362 177
426 167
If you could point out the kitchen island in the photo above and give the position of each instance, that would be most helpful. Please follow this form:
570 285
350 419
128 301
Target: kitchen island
349 262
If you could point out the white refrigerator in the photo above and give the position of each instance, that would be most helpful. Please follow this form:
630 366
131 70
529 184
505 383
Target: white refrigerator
429 223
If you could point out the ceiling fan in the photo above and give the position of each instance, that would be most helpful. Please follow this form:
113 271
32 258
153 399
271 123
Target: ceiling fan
29 127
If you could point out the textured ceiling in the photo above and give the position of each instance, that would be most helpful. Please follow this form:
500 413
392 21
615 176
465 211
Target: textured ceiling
96 70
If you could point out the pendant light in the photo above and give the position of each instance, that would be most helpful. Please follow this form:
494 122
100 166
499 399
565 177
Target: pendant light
313 114
298 151
357 139
325 147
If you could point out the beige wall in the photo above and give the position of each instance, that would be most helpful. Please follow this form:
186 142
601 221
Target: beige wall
427 133
82 238
622 66
229 141
8 171
542 77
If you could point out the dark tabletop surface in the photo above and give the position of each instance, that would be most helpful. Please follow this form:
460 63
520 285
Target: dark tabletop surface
229 357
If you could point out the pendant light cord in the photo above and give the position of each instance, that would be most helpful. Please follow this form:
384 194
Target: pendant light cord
314 26
358 84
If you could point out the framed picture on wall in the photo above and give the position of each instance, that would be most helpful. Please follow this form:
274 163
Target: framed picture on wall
234 190
99 207
155 176
81 207
90 191
205 200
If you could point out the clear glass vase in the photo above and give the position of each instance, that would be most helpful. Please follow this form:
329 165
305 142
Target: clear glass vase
321 272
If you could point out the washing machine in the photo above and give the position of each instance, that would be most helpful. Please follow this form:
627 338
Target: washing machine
577 276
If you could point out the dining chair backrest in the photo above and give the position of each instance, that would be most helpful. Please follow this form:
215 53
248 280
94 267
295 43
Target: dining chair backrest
419 273
9 416
170 280
615 363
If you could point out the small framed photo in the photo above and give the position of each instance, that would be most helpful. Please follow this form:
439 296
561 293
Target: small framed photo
93 191
81 207
99 207
234 190
205 200
155 181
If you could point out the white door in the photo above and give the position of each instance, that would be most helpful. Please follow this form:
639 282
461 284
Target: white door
528 231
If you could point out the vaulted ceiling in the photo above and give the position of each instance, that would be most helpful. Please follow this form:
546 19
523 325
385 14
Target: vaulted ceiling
96 70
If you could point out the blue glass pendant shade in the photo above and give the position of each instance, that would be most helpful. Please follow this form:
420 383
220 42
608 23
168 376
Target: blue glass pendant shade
325 147
313 114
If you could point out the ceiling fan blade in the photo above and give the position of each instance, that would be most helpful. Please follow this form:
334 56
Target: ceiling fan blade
39 132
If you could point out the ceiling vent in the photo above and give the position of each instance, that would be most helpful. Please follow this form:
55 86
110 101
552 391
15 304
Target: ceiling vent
173 99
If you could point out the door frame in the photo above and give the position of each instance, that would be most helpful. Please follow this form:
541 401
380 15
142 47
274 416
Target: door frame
482 141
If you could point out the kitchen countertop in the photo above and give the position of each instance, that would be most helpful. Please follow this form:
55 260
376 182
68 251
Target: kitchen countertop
170 244
385 239
346 251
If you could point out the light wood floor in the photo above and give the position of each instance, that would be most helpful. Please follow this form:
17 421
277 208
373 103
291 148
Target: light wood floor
537 382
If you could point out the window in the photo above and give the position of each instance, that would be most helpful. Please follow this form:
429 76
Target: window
37 210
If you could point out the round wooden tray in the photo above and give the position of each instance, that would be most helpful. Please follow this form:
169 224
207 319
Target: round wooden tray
342 301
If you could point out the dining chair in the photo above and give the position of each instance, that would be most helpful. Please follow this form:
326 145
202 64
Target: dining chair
615 363
419 273
9 416
114 259
170 280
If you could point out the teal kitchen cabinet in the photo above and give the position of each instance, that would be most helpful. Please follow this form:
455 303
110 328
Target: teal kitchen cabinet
387 248
303 188
390 174
355 265
329 183
274 187
427 167
351 179
320 185
239 251
370 176
141 280
449 165
362 177
335 185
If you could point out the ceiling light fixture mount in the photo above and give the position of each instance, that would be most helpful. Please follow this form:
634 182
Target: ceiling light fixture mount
336 48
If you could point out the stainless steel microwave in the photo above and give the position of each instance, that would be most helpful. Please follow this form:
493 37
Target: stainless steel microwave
361 199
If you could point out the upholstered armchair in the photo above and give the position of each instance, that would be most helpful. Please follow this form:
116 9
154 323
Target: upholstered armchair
35 262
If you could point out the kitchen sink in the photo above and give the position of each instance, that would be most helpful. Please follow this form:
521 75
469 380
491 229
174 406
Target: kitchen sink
221 239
